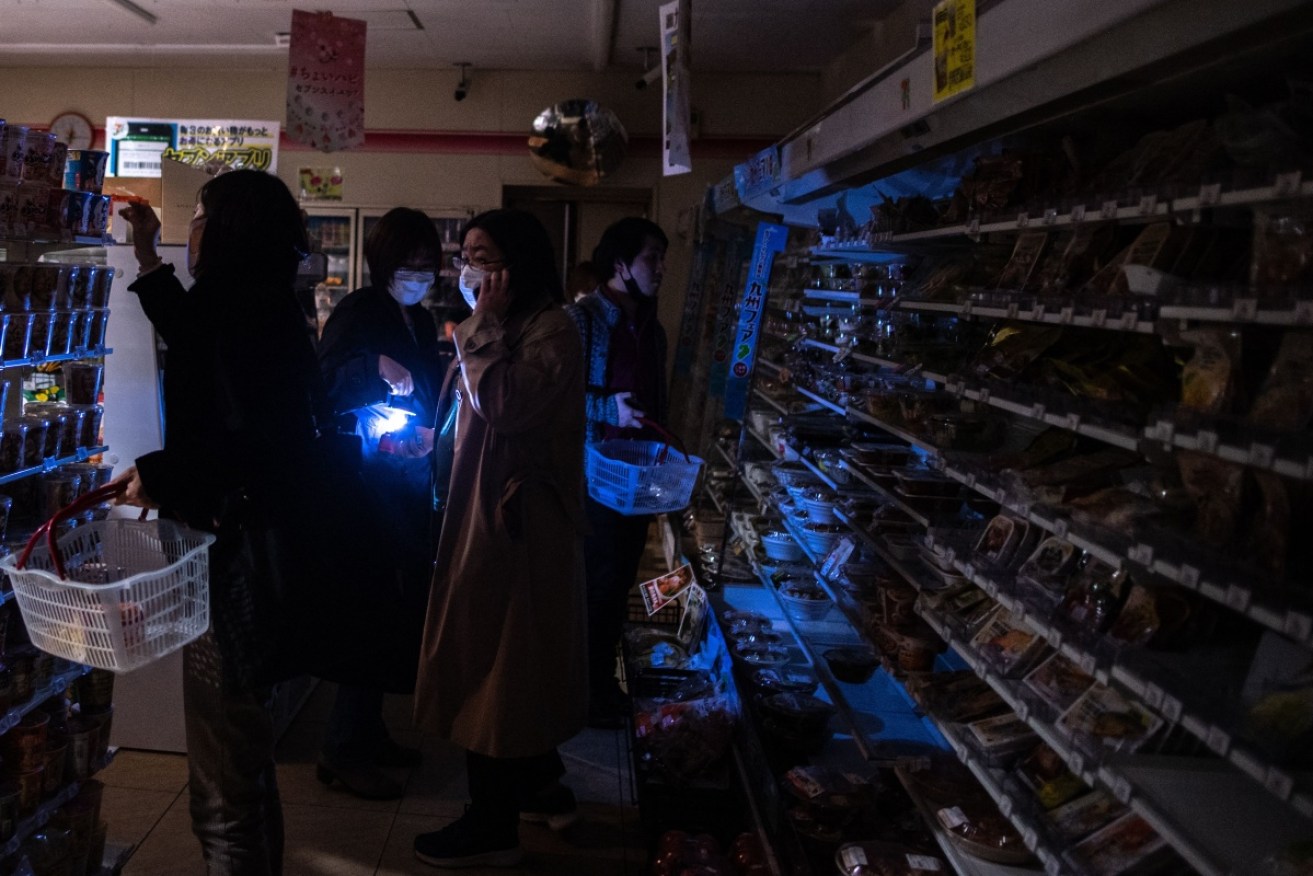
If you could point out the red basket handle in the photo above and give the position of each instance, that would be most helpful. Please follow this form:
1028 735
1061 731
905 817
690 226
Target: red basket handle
87 500
671 440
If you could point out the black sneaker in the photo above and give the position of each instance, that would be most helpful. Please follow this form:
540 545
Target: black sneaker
466 843
553 806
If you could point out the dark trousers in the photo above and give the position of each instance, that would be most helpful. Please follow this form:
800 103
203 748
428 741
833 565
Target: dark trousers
499 786
235 810
356 731
612 553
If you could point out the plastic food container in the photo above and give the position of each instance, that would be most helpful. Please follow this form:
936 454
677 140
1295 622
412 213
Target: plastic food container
781 546
805 603
800 714
924 483
84 170
17 333
92 416
82 382
784 680
852 664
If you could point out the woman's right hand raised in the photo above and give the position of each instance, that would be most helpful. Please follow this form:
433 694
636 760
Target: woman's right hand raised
395 375
145 231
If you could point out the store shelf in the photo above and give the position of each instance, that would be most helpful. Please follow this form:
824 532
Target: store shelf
825 403
59 682
842 296
888 495
1040 312
1037 411
1264 453
763 442
757 393
52 463
816 470
856 251
45 810
95 353
895 430
770 366
813 344
724 454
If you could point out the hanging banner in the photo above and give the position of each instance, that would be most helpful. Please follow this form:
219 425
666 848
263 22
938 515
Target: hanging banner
690 323
676 36
137 146
955 47
326 81
771 239
724 329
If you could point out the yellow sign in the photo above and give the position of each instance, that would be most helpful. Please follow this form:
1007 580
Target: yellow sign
955 47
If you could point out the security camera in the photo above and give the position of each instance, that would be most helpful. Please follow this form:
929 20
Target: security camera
463 87
648 78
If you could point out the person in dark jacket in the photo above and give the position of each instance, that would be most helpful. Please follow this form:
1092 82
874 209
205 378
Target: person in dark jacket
240 391
383 368
625 357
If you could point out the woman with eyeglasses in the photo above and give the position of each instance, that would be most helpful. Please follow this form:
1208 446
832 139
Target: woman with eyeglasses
383 369
502 670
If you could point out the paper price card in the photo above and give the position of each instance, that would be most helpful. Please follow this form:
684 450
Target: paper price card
660 592
694 616
837 557
954 47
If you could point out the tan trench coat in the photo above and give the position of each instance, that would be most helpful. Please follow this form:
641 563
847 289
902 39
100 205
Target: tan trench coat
502 668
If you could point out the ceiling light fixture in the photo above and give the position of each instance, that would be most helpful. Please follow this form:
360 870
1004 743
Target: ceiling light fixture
144 14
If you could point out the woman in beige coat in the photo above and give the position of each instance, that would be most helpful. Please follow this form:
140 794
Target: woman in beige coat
502 668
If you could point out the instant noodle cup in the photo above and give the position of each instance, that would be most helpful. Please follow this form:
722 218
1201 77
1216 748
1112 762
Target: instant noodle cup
55 169
47 281
84 170
62 323
24 746
13 447
103 283
63 299
91 422
17 333
80 286
79 211
13 152
33 203
38 344
98 215
82 382
40 149
97 323
8 209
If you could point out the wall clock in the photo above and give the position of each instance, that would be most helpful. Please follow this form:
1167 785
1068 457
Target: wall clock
74 129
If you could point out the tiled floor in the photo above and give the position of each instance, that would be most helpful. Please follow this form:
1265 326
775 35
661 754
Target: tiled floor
331 833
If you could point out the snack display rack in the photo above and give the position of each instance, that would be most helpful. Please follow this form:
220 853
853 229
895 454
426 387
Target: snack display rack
49 815
1191 774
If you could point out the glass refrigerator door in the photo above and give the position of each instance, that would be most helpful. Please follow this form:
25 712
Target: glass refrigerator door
333 232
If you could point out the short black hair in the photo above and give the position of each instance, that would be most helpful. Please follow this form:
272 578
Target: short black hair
624 240
253 228
400 234
530 258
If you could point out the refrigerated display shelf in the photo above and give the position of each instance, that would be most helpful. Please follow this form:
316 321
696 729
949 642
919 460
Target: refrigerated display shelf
894 429
764 442
1132 670
1271 610
1191 827
824 402
813 344
1129 321
770 401
1264 453
842 296
724 454
816 470
883 492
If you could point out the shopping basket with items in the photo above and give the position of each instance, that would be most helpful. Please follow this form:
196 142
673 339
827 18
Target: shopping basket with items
641 477
115 593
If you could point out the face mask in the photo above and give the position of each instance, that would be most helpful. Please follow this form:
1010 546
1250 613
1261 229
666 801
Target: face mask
410 287
470 280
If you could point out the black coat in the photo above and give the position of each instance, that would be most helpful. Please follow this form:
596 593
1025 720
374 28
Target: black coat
239 394
364 325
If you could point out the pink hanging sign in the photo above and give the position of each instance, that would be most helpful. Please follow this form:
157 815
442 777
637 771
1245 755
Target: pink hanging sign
326 81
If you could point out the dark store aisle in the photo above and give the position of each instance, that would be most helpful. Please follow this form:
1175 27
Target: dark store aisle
330 833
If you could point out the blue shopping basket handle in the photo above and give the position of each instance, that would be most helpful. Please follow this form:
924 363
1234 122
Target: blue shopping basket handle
84 502
671 440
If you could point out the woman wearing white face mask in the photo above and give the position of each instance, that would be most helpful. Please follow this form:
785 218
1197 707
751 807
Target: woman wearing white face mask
381 362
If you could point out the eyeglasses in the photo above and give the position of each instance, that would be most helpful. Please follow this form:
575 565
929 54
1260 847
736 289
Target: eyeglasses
459 262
